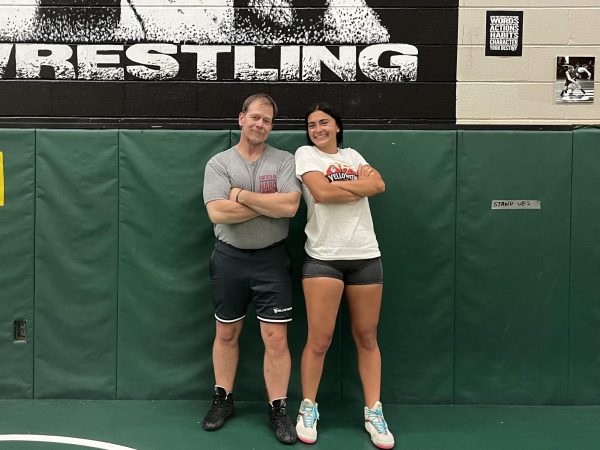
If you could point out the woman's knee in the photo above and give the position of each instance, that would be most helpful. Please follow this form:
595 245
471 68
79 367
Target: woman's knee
319 344
365 339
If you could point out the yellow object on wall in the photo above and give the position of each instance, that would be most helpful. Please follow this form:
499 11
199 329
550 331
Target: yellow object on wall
1 180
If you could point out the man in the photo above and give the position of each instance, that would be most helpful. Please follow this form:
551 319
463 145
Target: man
250 192
571 82
582 69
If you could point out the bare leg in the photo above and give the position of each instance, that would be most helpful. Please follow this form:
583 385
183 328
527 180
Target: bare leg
364 303
277 361
226 352
322 296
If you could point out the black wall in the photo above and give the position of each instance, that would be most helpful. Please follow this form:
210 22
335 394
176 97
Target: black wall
51 96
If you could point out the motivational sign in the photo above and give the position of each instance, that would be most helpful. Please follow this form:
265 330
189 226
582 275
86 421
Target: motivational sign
504 33
516 204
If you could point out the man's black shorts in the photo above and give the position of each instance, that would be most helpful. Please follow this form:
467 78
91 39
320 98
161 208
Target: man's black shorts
262 277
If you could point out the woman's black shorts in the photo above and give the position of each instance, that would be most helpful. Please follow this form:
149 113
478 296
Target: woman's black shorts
353 271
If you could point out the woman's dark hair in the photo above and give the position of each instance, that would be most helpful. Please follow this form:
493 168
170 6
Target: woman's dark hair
327 109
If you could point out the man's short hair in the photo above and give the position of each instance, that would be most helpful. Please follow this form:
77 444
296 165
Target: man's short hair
260 96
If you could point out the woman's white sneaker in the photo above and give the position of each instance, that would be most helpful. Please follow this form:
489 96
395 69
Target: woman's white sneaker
306 424
377 427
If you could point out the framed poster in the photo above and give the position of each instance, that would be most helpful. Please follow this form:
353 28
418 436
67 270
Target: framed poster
574 79
504 33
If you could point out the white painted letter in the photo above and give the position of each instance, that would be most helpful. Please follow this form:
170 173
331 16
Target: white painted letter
403 63
290 63
344 67
89 59
153 55
5 51
245 66
29 62
206 66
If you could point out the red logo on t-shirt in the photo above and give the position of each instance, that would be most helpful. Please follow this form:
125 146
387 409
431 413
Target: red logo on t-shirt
267 184
340 172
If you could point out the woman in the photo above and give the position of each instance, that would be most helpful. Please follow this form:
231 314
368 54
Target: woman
342 257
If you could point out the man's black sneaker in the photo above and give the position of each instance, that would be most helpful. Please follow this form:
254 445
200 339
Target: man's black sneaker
220 410
281 423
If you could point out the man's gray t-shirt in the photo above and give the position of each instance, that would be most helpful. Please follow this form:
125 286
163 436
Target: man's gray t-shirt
274 171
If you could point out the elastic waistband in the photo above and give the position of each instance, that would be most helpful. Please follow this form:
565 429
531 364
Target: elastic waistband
249 250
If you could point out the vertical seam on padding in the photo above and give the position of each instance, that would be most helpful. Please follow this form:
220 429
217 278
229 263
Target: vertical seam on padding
33 312
457 140
118 263
569 295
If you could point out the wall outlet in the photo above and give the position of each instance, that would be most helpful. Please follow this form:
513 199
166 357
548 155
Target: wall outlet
20 333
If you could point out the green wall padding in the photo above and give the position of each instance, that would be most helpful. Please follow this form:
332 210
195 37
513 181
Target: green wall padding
166 322
584 342
414 221
16 261
512 268
105 244
76 264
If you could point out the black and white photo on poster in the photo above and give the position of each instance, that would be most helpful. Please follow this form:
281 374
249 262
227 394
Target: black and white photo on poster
574 79
504 33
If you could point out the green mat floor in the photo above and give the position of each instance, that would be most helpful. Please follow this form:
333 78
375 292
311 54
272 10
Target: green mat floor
174 425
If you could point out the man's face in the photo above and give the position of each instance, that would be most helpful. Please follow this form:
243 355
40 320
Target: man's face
256 123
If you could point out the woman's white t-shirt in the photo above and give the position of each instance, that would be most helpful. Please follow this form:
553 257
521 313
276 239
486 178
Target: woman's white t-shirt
336 230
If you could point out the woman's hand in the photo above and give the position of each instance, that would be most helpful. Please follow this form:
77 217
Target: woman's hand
365 171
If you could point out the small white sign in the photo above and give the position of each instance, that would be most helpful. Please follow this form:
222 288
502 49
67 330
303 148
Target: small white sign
516 204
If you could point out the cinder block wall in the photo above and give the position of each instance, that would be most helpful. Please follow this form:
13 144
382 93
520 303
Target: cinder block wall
520 90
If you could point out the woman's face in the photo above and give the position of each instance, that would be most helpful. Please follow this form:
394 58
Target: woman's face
322 130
